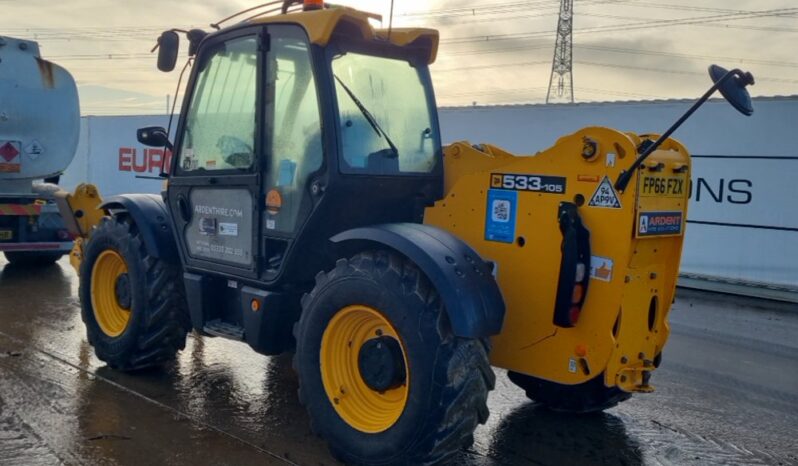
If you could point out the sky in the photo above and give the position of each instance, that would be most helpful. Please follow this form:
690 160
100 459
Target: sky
491 51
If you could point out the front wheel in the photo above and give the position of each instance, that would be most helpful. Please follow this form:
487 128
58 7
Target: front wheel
382 376
132 303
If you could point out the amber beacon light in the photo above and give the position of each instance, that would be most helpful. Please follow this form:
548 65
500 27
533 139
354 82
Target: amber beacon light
313 5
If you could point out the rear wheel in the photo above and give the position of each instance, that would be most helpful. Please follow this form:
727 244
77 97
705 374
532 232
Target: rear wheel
588 397
382 376
33 258
133 304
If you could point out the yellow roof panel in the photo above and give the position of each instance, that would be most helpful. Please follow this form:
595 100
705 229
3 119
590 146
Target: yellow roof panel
321 24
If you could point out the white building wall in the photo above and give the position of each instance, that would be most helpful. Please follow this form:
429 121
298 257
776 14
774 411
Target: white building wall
110 157
743 218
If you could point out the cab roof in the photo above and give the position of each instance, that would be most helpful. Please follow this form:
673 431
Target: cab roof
320 26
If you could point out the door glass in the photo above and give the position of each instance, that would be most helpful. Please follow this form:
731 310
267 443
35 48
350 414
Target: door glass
295 150
220 127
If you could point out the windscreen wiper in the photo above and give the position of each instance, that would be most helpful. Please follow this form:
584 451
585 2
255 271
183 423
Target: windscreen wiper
369 117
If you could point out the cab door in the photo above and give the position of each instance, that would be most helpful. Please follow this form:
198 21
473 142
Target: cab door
293 171
215 184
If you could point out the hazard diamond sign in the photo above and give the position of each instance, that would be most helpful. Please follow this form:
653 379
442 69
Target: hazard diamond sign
9 151
9 156
605 196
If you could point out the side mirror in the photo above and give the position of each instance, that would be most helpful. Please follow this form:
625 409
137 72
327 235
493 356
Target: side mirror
154 136
733 88
732 84
168 46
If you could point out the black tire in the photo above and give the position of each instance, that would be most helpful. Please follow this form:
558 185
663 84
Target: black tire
588 397
450 377
159 319
32 258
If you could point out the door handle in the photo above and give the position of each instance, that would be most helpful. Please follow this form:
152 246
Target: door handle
183 209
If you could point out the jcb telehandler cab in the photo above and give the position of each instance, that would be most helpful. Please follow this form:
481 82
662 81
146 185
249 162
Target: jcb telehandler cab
311 206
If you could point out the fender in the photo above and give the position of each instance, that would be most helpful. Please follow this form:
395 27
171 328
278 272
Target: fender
152 219
465 282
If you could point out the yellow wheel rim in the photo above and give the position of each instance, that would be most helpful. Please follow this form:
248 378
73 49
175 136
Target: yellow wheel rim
109 314
360 406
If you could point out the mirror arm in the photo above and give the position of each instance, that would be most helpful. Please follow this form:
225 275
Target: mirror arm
626 175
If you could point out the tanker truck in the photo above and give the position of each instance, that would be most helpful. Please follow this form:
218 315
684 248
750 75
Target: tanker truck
39 131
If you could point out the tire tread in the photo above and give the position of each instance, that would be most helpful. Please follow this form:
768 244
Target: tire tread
165 323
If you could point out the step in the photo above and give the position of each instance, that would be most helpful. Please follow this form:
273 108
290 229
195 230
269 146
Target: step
222 329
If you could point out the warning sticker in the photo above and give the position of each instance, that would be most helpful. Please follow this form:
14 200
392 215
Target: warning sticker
34 149
500 216
601 268
605 196
659 223
9 156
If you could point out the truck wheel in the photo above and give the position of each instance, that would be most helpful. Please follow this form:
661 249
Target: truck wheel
589 397
381 374
133 304
32 258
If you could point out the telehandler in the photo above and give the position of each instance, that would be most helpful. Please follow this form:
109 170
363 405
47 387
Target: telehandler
311 206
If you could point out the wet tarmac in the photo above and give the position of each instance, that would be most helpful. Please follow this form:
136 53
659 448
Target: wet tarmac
727 393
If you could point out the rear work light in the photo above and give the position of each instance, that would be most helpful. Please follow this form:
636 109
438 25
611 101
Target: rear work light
573 280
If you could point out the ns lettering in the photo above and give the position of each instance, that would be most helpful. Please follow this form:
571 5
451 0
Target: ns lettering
737 191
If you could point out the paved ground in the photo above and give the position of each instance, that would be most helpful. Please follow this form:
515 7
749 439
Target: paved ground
727 393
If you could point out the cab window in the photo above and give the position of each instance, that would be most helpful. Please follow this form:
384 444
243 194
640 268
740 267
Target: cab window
385 116
220 126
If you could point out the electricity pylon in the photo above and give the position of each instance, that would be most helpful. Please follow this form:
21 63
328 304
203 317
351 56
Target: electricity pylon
561 82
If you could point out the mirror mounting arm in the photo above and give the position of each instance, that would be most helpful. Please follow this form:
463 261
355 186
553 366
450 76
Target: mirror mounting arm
745 78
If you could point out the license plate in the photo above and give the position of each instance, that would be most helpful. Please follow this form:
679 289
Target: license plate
663 186
6 235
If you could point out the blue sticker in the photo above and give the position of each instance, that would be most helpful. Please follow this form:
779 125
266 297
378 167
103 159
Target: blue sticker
500 216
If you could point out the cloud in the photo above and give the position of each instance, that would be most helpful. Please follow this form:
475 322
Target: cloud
106 43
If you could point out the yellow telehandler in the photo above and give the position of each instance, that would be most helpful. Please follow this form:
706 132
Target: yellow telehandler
311 207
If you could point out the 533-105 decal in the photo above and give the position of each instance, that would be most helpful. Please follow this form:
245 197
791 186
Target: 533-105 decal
534 183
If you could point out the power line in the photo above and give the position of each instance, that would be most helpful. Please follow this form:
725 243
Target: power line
492 66
472 11
634 51
602 64
671 71
671 6
729 26
624 27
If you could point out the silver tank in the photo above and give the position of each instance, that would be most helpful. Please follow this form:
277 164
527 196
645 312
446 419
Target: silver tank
39 116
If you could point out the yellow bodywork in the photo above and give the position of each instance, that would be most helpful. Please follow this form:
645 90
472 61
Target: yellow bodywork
613 335
320 26
81 212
